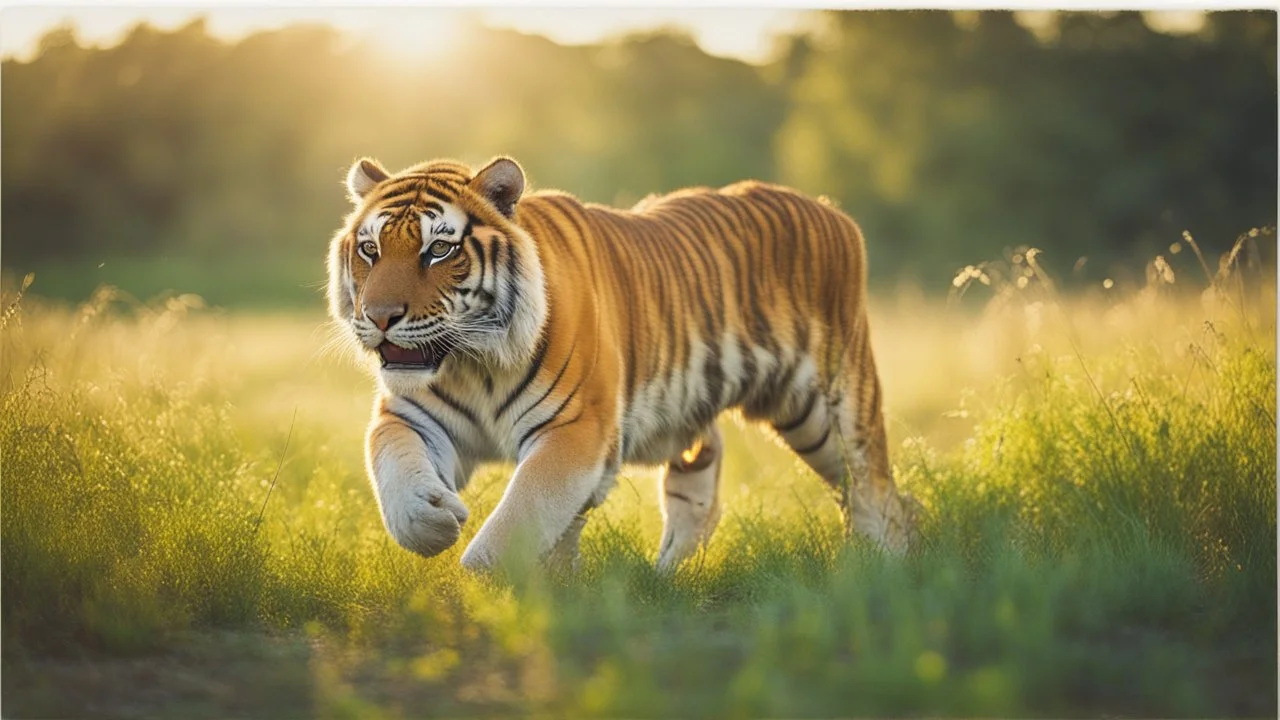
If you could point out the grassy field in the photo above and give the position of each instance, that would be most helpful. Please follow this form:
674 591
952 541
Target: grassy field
188 532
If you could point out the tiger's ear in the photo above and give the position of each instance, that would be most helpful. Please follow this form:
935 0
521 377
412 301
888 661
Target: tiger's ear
362 177
501 182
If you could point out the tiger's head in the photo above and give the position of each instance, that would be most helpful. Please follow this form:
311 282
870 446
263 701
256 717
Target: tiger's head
432 268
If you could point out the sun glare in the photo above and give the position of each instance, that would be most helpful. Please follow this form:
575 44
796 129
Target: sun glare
421 34
406 34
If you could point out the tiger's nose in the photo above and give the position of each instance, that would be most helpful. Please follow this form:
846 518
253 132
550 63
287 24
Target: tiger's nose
385 316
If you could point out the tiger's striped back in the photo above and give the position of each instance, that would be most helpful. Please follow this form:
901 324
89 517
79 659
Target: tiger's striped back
741 297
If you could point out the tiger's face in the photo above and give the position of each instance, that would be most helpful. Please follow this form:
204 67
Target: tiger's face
431 266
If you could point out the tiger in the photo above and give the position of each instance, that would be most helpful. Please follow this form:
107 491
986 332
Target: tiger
572 338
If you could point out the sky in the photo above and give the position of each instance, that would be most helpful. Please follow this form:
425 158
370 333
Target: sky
745 33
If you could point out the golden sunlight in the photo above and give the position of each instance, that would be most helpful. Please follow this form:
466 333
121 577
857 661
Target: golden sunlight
409 33
417 34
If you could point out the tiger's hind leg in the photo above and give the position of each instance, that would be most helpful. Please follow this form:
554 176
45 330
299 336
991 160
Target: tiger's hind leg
841 436
690 499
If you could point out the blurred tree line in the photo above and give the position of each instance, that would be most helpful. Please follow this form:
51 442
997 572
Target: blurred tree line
950 136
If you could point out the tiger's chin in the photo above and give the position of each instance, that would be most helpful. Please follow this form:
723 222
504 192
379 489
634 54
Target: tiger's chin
406 381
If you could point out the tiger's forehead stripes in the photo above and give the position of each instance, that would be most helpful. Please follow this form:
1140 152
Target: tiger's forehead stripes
405 225
421 187
372 225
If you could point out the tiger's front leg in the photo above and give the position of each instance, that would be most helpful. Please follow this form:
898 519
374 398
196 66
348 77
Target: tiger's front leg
565 472
415 473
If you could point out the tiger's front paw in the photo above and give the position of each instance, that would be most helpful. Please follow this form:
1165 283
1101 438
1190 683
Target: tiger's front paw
426 518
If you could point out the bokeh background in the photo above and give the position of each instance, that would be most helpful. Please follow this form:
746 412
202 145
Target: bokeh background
183 157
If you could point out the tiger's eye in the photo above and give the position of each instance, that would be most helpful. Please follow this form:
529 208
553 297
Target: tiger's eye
439 249
369 247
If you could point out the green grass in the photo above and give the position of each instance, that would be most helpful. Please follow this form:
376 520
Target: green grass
1100 536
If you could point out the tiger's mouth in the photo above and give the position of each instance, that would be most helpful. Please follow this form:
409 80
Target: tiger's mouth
427 357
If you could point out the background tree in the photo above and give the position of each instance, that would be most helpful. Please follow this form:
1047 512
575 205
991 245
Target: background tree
952 137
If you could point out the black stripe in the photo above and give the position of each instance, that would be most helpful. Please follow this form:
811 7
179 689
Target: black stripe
741 254
713 374
816 446
399 203
418 406
786 233
508 308
553 416
749 368
725 235
801 333
570 421
788 377
409 422
478 248
661 302
874 406
762 331
674 275
731 219
804 414
539 354
776 387
748 308
455 405
449 482
680 269
444 184
680 496
698 250
550 388
790 240
437 194
400 186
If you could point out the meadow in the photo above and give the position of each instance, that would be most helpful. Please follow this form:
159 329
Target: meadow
188 531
